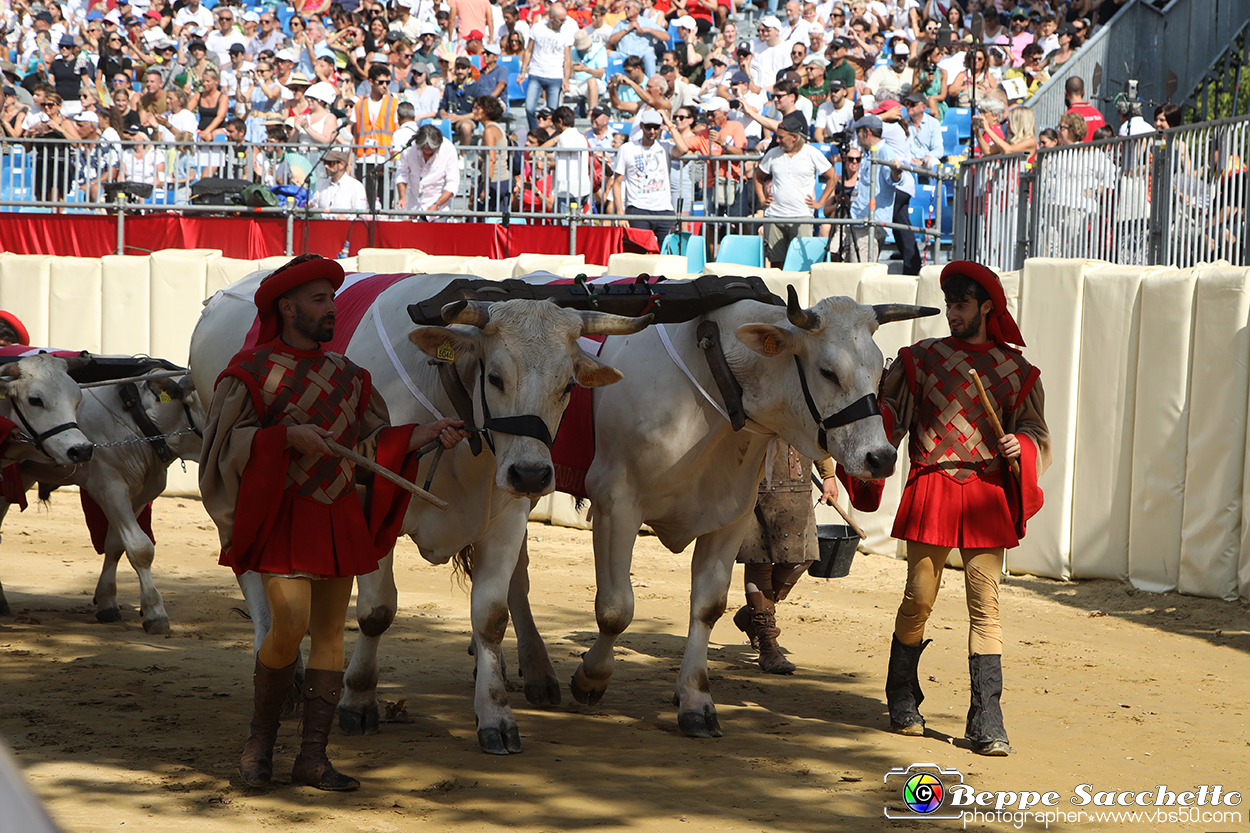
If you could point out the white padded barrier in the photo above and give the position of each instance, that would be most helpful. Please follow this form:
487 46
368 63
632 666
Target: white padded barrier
632 263
1106 395
126 304
24 283
1160 428
1215 460
387 260
74 291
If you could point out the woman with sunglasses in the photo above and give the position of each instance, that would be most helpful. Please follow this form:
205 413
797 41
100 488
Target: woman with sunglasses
210 105
54 160
514 44
974 81
113 58
685 172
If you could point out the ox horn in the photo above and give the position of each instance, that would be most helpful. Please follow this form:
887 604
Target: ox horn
10 371
607 324
799 317
901 312
473 313
79 362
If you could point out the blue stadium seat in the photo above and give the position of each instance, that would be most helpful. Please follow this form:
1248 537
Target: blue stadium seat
444 127
804 251
961 118
672 36
615 127
516 92
615 67
476 60
950 140
693 246
742 249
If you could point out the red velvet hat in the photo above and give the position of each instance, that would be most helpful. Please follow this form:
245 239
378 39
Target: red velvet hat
1000 327
282 281
23 337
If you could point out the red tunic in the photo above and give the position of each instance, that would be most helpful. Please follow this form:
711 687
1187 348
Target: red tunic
960 492
301 512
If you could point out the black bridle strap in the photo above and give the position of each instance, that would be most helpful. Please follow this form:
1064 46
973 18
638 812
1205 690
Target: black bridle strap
199 432
525 425
861 408
132 403
35 435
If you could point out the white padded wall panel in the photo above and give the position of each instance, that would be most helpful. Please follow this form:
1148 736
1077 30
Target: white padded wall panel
74 287
223 271
1106 396
125 304
1215 459
386 260
1160 428
178 281
24 292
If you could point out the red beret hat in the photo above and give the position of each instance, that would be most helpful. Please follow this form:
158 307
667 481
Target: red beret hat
23 337
1000 327
281 281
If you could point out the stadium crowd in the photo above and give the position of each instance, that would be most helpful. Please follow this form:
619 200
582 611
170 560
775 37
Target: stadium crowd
624 101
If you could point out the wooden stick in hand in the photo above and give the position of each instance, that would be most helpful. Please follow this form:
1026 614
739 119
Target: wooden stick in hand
989 412
820 485
383 471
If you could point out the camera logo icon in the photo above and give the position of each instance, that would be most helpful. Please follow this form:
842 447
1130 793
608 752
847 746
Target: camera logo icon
923 789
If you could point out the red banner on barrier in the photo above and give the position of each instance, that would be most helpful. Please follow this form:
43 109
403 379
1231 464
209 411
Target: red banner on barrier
252 238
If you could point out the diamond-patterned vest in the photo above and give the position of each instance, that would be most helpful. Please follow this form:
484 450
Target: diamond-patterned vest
954 435
325 391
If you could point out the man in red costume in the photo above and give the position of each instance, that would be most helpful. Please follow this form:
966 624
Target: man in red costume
290 509
961 492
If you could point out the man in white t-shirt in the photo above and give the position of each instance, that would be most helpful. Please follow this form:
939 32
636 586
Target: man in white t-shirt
774 57
548 60
572 178
794 167
642 171
224 36
339 190
193 12
836 114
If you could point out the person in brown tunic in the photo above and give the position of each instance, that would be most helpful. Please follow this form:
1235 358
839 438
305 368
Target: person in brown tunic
287 507
778 548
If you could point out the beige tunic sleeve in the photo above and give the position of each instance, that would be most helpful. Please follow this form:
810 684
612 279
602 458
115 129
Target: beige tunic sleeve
232 424
1030 419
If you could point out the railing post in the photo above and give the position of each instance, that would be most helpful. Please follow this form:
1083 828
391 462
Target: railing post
574 206
939 197
959 223
1023 238
872 206
121 224
290 231
1160 201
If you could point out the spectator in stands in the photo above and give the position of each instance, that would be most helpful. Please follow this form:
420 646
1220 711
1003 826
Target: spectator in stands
836 114
237 164
65 72
95 159
177 123
642 185
514 44
54 163
269 36
724 137
716 78
794 167
840 206
457 104
210 105
224 35
1074 95
931 81
772 55
429 174
496 175
113 58
892 80
590 67
319 125
1030 70
374 125
1020 36
1072 129
975 81
637 36
814 87
599 136
548 60
193 12
785 102
493 79
1048 138
424 98
142 162
686 171
572 162
633 98
1167 116
1021 134
339 191
924 134
1066 50
513 25
883 179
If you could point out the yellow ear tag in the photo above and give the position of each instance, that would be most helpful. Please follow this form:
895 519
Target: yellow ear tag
445 353
770 345
165 398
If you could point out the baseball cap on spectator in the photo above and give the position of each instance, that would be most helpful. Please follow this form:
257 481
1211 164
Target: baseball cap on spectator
153 14
493 48
94 15
839 43
744 49
770 21
837 84
67 40
687 22
869 123
913 98
794 123
322 91
650 117
87 116
1066 29
901 48
288 55
478 34
236 47
718 59
581 41
815 59
888 104
739 77
1019 13
46 17
112 16
715 103
430 29
196 44
394 36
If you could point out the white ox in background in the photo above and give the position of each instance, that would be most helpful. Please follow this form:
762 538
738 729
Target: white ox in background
666 457
532 359
124 476
37 393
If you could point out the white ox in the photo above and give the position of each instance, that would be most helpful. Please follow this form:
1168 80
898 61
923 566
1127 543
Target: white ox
531 360
37 393
124 476
665 456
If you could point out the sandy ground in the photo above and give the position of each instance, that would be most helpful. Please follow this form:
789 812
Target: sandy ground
118 730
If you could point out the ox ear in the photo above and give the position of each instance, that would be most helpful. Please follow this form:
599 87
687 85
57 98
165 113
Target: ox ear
444 343
169 387
187 385
592 373
767 340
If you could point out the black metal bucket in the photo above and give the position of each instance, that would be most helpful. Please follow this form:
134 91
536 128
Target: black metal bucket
837 550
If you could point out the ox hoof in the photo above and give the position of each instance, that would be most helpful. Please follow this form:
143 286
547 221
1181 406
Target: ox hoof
496 742
544 692
585 690
360 721
109 614
700 724
157 626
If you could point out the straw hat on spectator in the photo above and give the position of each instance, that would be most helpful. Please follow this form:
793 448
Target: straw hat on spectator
298 79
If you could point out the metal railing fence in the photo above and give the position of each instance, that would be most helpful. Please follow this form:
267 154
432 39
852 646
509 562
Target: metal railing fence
1180 197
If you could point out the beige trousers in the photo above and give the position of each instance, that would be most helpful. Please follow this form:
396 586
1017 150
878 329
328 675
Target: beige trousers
982 569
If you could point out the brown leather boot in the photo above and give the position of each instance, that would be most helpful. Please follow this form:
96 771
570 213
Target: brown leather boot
763 615
742 620
269 691
321 699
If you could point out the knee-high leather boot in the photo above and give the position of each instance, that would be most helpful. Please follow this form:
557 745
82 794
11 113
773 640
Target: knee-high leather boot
270 687
321 699
985 716
902 687
763 616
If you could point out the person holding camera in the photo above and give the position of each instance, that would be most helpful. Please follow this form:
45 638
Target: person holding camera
931 81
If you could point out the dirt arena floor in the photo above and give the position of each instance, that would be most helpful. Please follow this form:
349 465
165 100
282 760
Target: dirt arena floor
118 730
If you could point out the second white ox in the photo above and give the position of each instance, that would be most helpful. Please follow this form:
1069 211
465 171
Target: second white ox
528 356
666 456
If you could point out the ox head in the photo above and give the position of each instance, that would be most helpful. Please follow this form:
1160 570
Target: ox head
827 369
43 400
174 407
528 360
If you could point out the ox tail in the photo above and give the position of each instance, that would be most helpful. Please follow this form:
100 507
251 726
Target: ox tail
46 490
462 564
